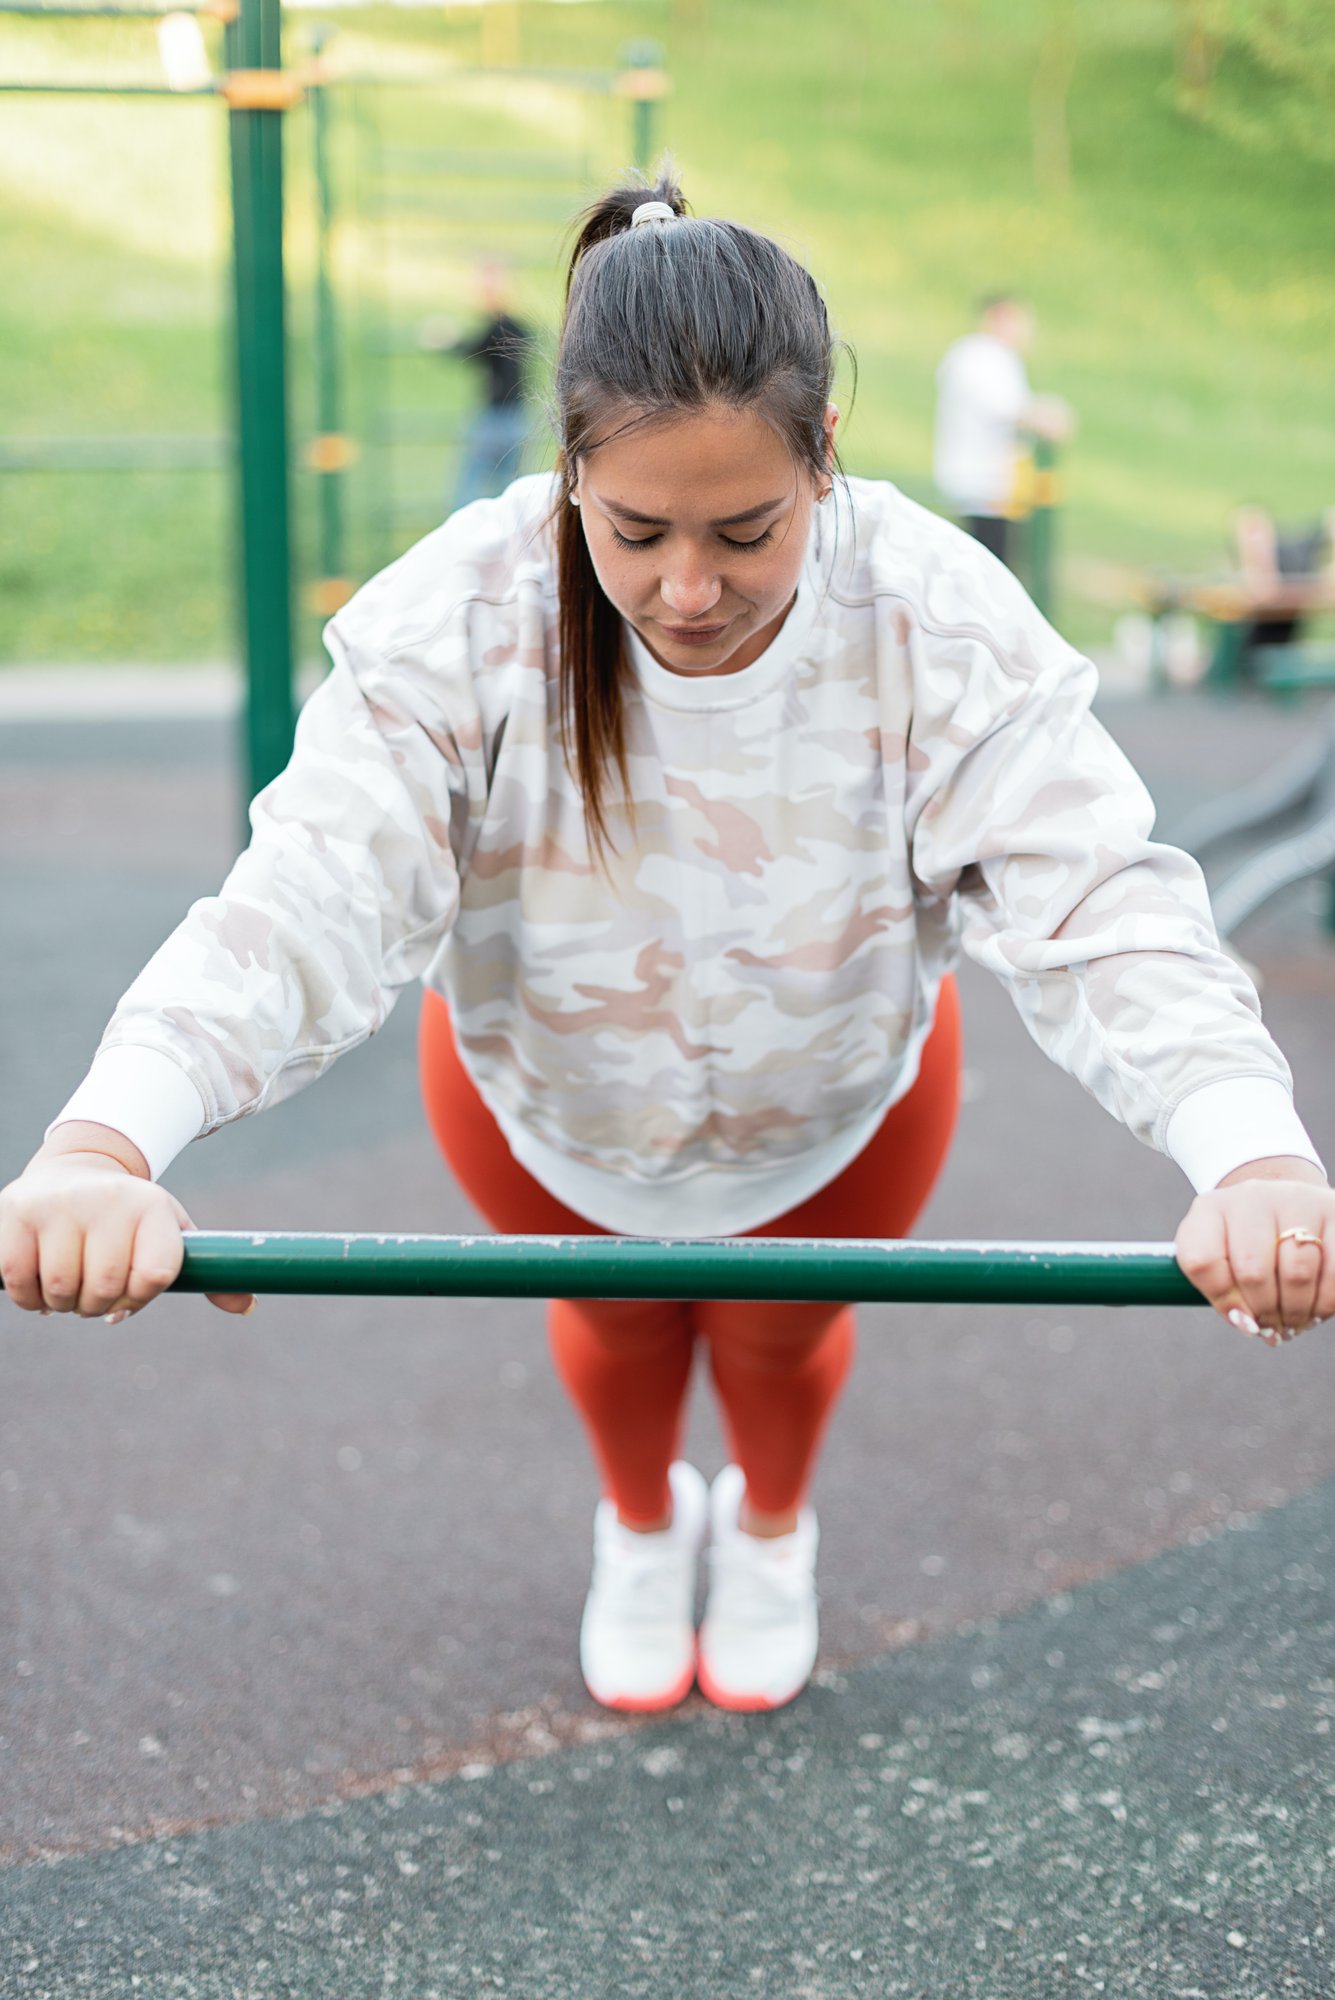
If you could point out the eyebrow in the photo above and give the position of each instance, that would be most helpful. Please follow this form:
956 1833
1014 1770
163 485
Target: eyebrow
656 521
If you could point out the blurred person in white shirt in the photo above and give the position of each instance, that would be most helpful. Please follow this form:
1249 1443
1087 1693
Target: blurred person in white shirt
986 415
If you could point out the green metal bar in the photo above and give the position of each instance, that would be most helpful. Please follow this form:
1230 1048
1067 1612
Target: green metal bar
74 13
102 90
113 454
641 59
256 138
642 132
1226 656
584 1267
328 384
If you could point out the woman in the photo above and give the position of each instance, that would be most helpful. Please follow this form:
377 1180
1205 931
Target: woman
683 778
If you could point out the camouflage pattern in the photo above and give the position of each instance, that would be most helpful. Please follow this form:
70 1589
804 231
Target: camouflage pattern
910 771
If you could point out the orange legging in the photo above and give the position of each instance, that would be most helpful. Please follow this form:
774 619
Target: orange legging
626 1363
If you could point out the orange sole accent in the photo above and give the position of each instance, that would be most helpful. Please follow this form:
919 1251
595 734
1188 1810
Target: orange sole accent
740 1704
648 1704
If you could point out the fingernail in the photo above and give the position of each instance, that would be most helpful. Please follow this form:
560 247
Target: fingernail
115 1318
250 1309
1243 1321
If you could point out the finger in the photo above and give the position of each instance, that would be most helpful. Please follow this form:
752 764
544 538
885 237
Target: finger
18 1264
60 1264
1251 1256
1325 1291
106 1264
232 1302
1299 1269
155 1260
1201 1250
228 1302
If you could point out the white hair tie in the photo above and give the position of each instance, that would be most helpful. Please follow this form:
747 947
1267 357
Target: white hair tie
653 211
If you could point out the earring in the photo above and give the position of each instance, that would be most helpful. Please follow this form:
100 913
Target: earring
573 499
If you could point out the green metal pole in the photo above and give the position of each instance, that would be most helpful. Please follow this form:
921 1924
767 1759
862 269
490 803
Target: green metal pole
332 462
256 140
642 136
1042 526
644 82
1121 1274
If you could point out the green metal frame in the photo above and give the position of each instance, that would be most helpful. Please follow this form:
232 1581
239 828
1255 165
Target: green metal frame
601 1267
328 343
254 41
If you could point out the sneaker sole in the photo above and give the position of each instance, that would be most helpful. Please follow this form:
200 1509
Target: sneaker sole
742 1704
647 1704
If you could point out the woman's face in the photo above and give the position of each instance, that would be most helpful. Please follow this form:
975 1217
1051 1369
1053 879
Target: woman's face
697 527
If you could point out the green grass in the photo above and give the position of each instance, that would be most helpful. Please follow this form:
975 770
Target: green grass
1183 282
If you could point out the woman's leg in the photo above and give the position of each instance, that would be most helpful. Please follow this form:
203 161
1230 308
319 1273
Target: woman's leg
779 1368
626 1364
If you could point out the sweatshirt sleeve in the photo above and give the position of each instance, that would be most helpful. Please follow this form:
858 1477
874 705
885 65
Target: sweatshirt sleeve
347 888
1024 809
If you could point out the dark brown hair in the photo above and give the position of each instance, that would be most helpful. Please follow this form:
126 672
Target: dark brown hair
672 316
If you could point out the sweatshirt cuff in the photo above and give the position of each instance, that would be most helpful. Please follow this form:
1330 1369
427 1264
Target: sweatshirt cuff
143 1095
1225 1125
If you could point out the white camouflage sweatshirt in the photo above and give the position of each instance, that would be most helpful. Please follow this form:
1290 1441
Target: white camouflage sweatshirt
702 1030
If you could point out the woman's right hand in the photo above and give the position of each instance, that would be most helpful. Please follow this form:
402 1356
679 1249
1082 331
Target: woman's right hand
84 1230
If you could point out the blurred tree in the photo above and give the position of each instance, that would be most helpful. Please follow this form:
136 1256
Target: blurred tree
1292 43
1291 38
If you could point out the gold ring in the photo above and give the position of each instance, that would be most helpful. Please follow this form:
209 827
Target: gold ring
1299 1236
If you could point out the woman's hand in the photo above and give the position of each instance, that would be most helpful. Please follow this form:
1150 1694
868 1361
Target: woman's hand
1261 1247
84 1230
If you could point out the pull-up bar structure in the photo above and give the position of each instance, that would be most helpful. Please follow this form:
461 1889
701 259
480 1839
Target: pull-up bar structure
258 91
634 1267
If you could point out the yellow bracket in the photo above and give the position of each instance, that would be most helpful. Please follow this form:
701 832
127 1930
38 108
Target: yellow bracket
259 90
644 85
331 452
329 594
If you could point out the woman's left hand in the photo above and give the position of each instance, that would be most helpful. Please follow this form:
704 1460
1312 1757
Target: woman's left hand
1261 1247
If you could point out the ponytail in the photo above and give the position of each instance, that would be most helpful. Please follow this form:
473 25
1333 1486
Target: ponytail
593 733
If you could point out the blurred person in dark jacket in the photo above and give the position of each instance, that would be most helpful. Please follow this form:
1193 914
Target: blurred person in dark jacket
493 443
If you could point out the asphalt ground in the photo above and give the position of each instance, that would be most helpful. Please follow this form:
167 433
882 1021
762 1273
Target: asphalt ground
288 1693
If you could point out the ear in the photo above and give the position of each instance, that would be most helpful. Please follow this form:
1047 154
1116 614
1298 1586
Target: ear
831 420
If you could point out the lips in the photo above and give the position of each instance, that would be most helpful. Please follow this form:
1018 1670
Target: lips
695 635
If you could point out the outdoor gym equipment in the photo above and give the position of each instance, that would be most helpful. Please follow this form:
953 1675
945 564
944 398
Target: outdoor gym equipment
632 1267
1297 795
259 92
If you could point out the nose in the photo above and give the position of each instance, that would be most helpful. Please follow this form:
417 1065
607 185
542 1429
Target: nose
690 588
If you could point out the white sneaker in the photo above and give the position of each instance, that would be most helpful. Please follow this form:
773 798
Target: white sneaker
760 1632
637 1637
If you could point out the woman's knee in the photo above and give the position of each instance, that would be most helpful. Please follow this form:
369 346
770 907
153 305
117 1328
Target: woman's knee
622 1328
773 1339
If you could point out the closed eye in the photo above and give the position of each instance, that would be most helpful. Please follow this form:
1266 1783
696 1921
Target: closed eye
648 541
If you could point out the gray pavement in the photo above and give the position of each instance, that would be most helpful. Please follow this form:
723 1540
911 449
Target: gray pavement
1125 1790
273 1591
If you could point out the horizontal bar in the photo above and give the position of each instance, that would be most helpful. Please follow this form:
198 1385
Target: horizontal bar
73 12
632 1267
21 89
114 454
